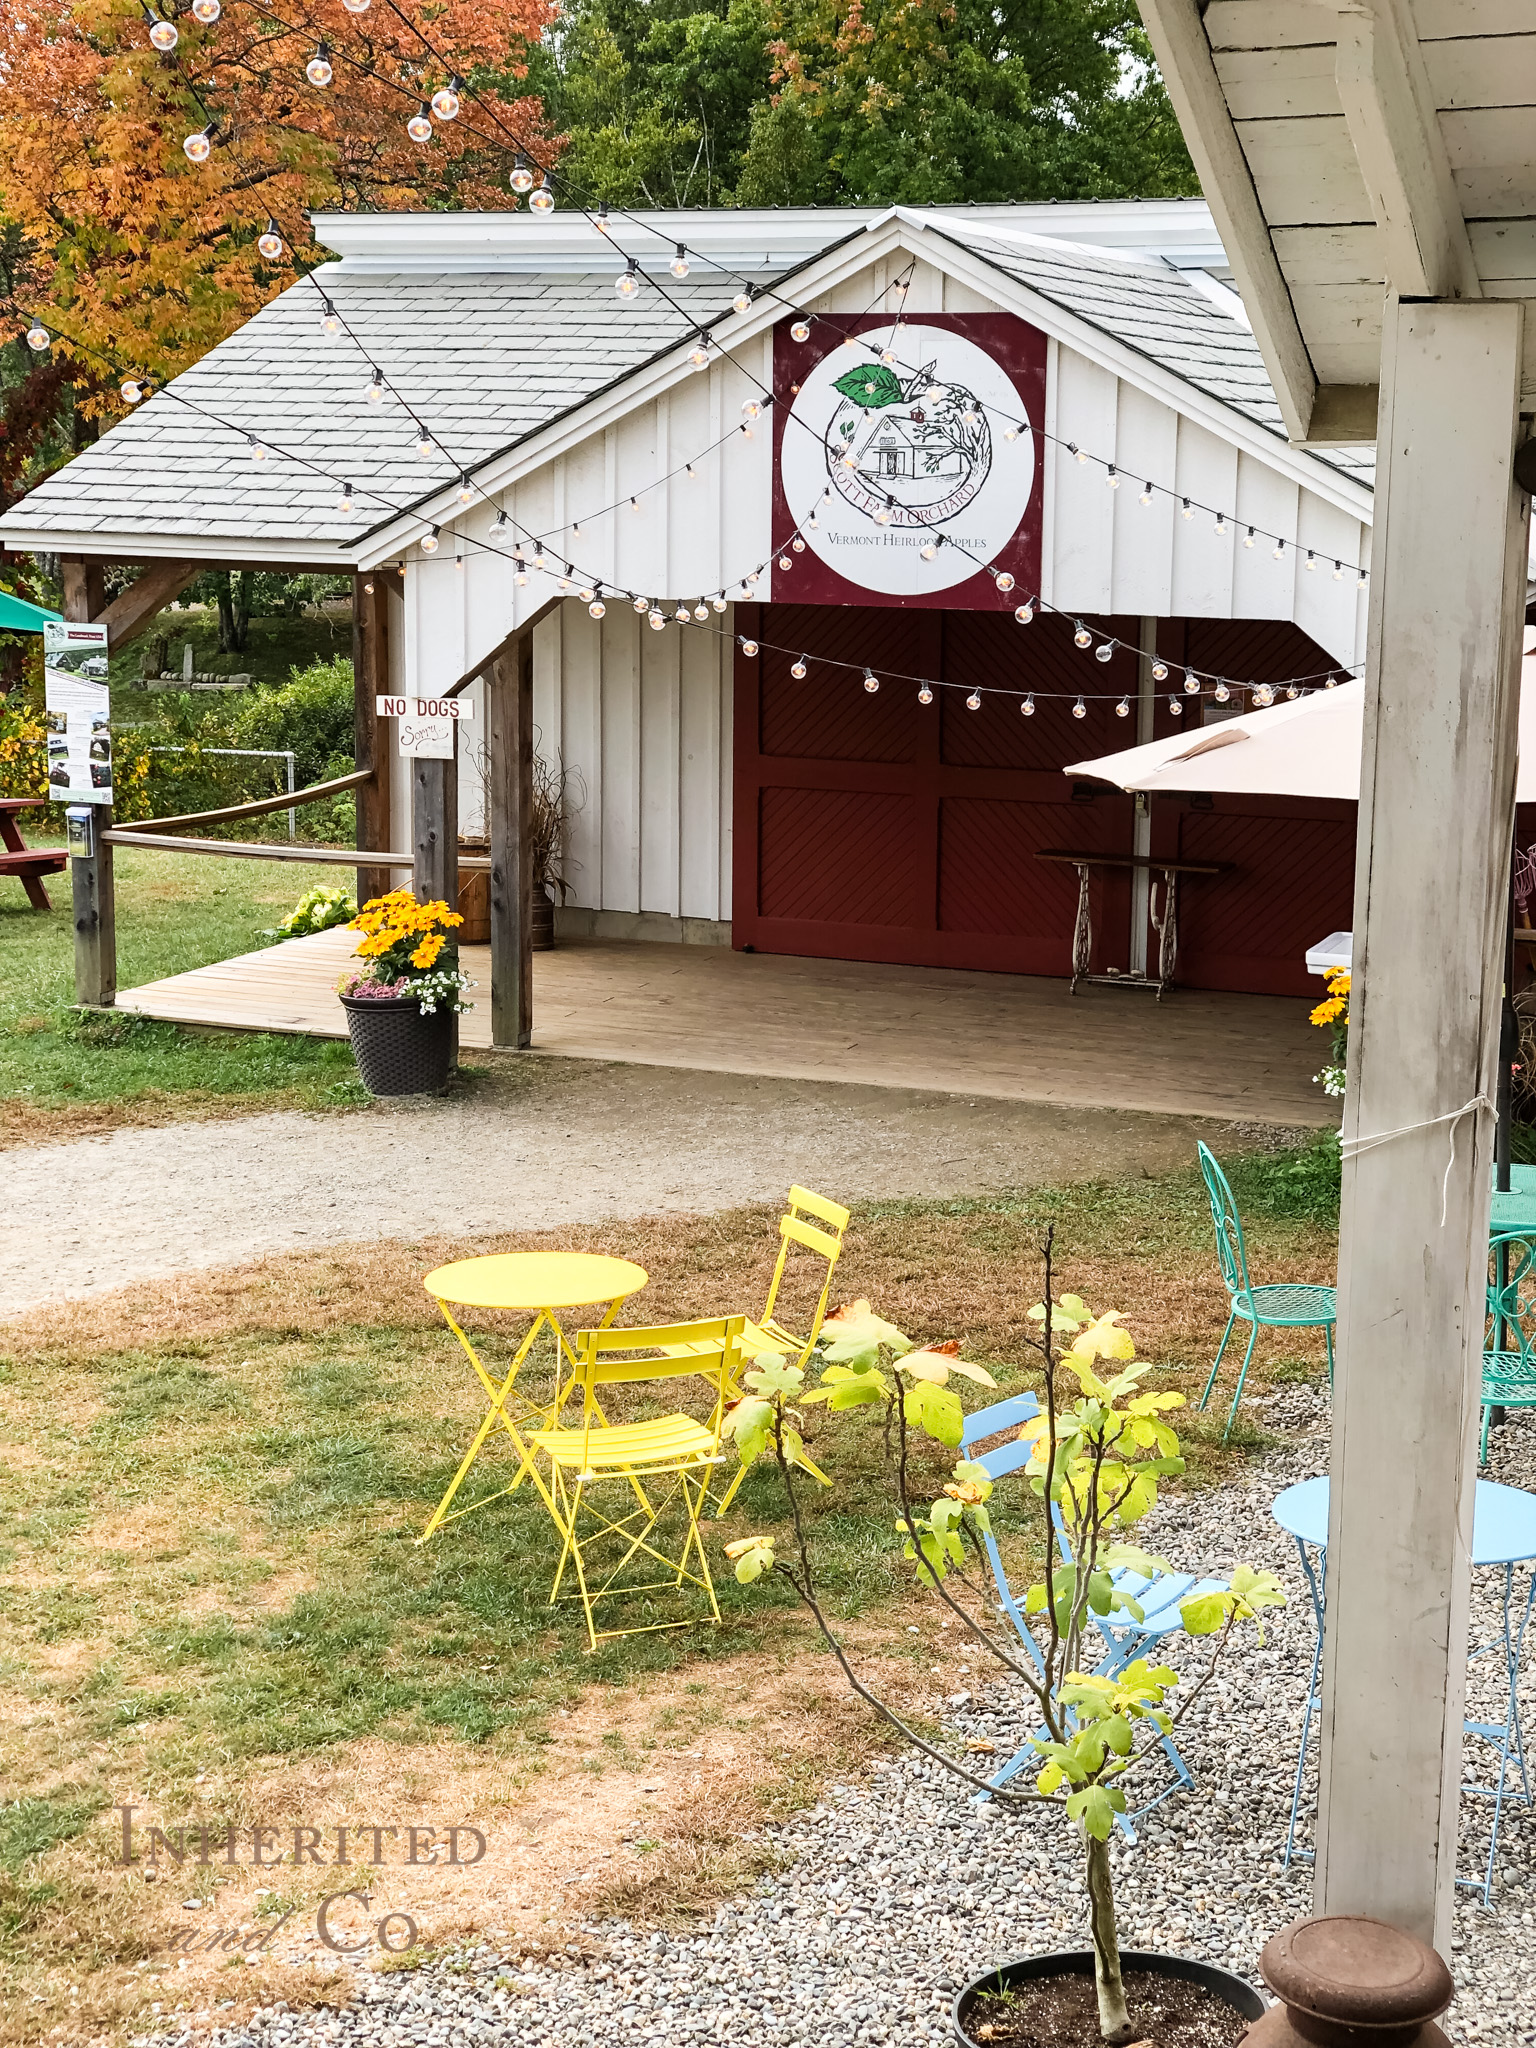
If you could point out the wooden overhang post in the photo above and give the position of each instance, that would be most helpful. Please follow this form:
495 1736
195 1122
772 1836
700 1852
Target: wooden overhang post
509 714
1436 810
370 679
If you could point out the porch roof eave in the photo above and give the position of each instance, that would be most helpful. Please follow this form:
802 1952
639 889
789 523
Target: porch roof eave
217 550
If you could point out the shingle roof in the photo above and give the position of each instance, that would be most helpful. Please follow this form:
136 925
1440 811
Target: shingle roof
485 359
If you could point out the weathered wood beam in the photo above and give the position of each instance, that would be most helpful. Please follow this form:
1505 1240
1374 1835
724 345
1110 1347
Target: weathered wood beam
370 679
509 711
1343 415
1178 39
132 610
91 882
84 580
435 836
1437 778
1390 113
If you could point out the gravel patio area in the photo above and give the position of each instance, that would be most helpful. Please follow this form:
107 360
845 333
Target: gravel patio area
897 1890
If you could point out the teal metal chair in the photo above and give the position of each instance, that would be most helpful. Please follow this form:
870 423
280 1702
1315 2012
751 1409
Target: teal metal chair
1262 1308
1509 1356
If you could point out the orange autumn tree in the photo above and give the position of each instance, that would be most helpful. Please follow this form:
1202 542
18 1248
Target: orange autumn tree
109 233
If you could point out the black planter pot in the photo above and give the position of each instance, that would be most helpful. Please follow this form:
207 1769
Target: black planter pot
1244 2000
541 923
398 1050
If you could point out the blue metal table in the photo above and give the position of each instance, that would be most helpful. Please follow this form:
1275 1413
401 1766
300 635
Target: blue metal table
1516 1210
1503 1535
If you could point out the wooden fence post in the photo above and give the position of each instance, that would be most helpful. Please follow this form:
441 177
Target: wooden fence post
509 721
370 679
91 881
435 832
1437 785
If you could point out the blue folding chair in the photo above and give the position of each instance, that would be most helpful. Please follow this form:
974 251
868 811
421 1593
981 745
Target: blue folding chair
1126 1638
1286 1307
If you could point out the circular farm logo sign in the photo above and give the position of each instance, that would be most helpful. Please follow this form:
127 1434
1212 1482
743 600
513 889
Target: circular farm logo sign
888 456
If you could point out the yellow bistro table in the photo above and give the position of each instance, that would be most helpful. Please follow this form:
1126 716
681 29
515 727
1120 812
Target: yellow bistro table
528 1283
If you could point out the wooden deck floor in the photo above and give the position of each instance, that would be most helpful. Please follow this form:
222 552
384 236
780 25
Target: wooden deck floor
704 1007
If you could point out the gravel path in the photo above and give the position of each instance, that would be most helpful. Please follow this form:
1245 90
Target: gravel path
896 1891
538 1144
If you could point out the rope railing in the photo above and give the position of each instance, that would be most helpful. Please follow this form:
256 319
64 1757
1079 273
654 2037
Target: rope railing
256 809
250 849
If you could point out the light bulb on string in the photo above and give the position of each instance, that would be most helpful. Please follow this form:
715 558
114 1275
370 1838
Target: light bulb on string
430 542
1123 708
352 6
701 611
798 545
748 647
1176 707
1262 696
812 521
269 243
682 615
600 219
797 668
1362 579
164 35
925 694
1159 671
882 513
132 390
742 303
970 417
750 409
330 320
1248 538
521 578
1079 709
198 146
500 526
1222 694
800 329
888 358
1292 692
1144 495
344 502
1104 651
425 445
1187 509
521 179
208 11
642 604
38 337
656 621
1004 582
1221 523
1027 708
749 581
1278 551
318 69
597 607
973 702
929 549
717 602
679 264
419 126
1024 613
540 559
1112 477
466 491
1311 559
445 101
935 392
1010 433
1081 637
375 392
627 283
786 561
566 585
871 681
541 199
1338 572
1191 683
255 449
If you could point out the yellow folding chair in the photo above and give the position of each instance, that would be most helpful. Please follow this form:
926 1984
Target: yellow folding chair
664 1466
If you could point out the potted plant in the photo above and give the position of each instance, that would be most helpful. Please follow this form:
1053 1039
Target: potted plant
1333 1015
552 810
401 1003
1097 1452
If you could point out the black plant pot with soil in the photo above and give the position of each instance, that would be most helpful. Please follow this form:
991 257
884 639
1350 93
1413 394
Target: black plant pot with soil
398 1049
1051 2002
541 923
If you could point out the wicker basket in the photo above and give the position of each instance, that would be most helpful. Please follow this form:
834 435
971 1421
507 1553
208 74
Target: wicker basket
398 1050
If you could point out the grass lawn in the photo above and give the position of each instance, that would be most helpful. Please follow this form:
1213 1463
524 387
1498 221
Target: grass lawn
276 647
213 1607
63 1073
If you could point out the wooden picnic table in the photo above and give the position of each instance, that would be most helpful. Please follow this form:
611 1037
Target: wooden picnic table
27 863
1166 923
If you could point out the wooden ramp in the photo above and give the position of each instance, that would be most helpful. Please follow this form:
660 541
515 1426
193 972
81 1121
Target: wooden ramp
1017 1037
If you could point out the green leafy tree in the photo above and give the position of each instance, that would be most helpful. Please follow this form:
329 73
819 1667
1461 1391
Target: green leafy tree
1093 1472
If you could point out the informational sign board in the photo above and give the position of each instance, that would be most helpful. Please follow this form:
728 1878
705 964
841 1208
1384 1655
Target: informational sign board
78 713
908 464
426 724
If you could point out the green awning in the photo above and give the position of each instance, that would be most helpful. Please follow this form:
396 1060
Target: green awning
17 616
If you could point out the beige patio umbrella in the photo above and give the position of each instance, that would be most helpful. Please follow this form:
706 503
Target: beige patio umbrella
1307 747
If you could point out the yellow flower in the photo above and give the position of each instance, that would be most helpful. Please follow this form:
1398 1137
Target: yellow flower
427 952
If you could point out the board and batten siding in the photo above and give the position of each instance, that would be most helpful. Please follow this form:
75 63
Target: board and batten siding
642 719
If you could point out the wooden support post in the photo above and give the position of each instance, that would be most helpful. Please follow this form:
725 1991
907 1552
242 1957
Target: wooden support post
91 878
1436 808
435 834
370 679
509 716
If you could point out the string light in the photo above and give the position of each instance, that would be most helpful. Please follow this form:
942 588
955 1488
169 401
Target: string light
500 526
929 549
1263 696
1081 637
375 392
330 320
1105 650
1221 522
871 681
798 545
601 222
656 620
1004 582
1311 559
521 179
1338 572
269 242
882 513
425 444
430 542
701 611
1028 706
419 126
199 146
344 502
597 607
38 337
466 490
1123 708
718 601
318 69
742 303
1361 579
627 283
1079 709
749 647
1279 551
1222 694
800 329
445 101
1025 612
786 562
1191 683
682 615
133 390
924 694
1292 692
1112 478
1145 494
352 6
164 35
1248 538
1176 707
541 199
698 355
797 668
679 264
257 452
973 702
1187 509
1159 671
750 409
207 11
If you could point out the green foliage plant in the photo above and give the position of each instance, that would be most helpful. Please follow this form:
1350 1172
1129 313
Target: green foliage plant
1098 1449
316 911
